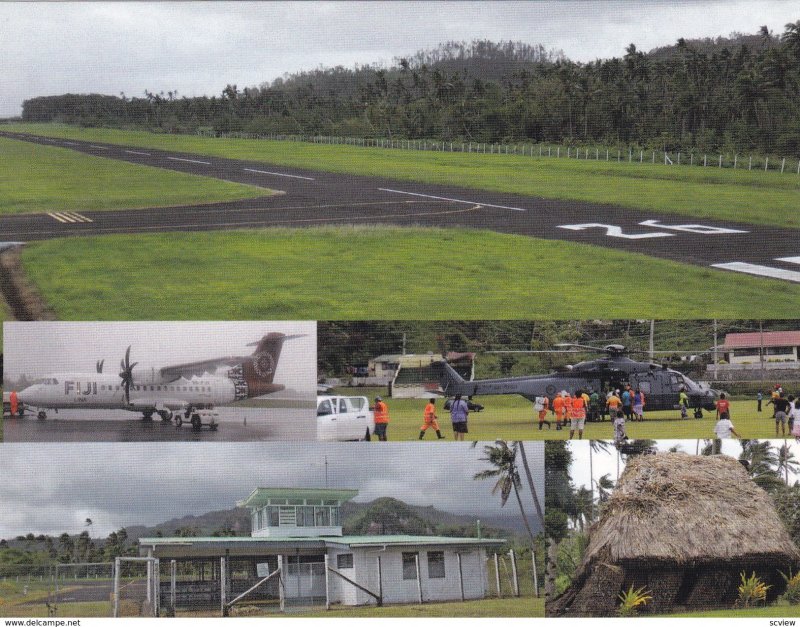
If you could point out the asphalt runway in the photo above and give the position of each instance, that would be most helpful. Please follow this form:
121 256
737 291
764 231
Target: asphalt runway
235 425
312 198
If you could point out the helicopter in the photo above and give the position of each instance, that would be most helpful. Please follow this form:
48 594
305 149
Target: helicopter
661 385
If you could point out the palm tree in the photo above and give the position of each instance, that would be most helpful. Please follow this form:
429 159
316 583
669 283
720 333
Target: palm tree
595 445
504 459
787 462
604 486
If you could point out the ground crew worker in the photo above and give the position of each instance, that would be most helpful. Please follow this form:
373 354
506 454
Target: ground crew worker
558 408
683 401
381 413
567 406
577 416
540 405
429 420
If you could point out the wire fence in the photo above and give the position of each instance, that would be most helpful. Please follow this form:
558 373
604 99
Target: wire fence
629 155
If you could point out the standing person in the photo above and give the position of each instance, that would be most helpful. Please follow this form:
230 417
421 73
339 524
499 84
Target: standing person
613 403
638 403
627 402
459 410
429 420
540 405
595 406
14 403
724 427
793 413
381 413
558 408
723 407
781 413
683 401
618 420
759 398
577 417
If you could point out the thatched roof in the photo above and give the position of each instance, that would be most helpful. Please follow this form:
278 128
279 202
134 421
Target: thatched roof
688 509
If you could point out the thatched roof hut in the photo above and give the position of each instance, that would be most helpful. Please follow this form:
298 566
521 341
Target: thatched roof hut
684 527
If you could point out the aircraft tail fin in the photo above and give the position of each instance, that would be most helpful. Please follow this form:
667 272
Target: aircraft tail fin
259 368
451 382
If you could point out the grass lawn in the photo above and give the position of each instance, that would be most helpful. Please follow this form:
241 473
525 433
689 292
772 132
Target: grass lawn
511 418
37 178
486 608
780 609
308 274
754 197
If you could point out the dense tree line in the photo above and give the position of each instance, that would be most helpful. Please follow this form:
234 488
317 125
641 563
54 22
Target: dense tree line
736 94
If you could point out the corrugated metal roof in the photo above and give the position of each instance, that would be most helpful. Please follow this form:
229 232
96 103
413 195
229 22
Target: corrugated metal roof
770 338
321 540
259 496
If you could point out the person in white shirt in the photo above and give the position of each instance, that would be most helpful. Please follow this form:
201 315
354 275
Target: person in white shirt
724 428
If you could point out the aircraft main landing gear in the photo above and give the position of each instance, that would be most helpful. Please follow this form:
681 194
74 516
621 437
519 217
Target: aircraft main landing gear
147 416
42 415
166 415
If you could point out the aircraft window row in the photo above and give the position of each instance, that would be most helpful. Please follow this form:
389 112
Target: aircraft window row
171 388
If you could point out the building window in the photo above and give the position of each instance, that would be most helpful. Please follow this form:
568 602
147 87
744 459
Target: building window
409 565
273 515
344 560
435 564
322 517
335 520
305 516
260 520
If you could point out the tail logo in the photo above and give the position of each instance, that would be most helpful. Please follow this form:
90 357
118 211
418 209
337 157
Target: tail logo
264 365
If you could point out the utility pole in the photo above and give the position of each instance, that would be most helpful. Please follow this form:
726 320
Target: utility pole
716 363
652 333
761 346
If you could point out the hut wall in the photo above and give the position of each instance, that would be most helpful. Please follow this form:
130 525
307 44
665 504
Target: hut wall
714 587
598 594
664 584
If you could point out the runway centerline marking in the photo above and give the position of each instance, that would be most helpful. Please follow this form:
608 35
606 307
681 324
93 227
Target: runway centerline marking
135 152
291 176
789 259
189 160
98 147
466 202
758 270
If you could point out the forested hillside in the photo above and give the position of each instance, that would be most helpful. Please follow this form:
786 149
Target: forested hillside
737 93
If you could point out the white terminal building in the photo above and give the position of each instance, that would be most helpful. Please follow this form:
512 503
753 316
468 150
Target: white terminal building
298 532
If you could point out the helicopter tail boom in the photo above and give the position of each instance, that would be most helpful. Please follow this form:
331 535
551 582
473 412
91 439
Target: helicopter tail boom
453 383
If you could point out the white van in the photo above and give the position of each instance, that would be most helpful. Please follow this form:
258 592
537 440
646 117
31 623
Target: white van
344 418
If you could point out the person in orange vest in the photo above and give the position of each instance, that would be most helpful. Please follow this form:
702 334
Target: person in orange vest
577 417
14 403
558 408
429 420
381 413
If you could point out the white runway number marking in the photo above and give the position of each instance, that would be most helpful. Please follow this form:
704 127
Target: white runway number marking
69 217
613 230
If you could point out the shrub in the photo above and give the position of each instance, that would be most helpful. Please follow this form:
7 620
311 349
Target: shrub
752 591
631 600
792 594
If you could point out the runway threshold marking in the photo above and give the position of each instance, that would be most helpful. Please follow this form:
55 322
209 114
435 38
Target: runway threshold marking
466 202
189 160
766 271
291 176
69 217
136 152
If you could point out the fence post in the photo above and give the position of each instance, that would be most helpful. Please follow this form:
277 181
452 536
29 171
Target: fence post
783 163
705 160
766 163
497 574
720 161
641 156
750 166
327 585
735 159
514 577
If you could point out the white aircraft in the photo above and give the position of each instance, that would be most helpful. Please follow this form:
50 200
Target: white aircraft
182 388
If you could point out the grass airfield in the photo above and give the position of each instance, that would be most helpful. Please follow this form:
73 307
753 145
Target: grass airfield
38 179
435 273
511 417
693 191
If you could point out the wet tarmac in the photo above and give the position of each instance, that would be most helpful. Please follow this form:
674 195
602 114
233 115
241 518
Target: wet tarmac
235 425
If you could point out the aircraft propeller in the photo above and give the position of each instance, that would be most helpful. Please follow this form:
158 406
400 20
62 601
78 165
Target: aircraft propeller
100 366
127 374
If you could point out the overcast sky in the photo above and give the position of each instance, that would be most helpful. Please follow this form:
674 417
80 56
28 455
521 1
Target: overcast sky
52 488
197 48
41 348
606 462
